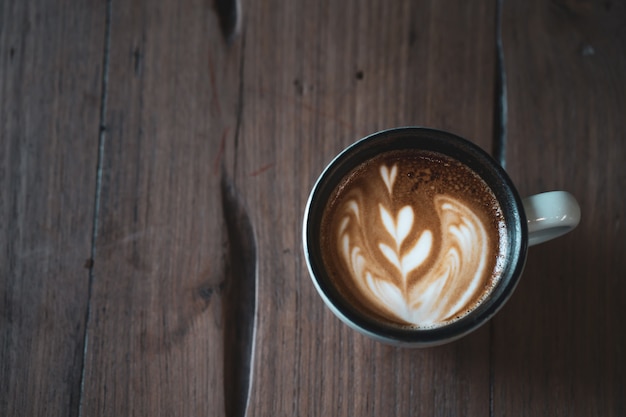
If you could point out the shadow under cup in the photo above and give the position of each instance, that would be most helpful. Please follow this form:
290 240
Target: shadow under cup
435 141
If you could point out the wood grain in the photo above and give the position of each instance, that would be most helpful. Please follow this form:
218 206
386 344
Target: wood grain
559 344
135 325
50 84
317 76
155 335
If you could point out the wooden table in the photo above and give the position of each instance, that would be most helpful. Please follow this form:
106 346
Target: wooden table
140 151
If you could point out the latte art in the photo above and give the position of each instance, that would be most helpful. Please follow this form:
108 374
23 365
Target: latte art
461 263
412 241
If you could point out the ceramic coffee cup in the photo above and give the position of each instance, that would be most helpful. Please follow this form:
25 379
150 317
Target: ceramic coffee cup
416 237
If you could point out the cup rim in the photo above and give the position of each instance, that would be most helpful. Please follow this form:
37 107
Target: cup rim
417 137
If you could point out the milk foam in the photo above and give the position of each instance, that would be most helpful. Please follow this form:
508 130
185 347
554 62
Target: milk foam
415 280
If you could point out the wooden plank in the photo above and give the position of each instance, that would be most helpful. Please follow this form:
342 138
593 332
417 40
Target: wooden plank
559 344
50 84
155 334
317 76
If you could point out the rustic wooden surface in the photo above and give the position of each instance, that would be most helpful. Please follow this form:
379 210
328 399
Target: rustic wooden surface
136 145
560 345
50 87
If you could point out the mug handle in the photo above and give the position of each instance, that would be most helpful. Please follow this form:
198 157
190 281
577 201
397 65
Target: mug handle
550 215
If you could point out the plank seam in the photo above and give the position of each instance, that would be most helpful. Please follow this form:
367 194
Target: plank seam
98 190
500 108
499 153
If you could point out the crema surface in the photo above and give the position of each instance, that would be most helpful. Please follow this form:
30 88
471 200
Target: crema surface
413 238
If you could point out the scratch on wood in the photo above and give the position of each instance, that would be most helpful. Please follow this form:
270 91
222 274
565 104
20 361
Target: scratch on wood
239 302
262 170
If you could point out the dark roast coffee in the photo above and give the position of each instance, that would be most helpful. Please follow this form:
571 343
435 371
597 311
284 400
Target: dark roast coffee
413 238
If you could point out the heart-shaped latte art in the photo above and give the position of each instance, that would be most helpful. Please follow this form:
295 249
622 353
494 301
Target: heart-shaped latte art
389 176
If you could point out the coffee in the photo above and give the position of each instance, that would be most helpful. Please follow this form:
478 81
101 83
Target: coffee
413 238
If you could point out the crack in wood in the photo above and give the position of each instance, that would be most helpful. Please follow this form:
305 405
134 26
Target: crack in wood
500 108
229 13
98 193
499 153
137 61
240 98
239 301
